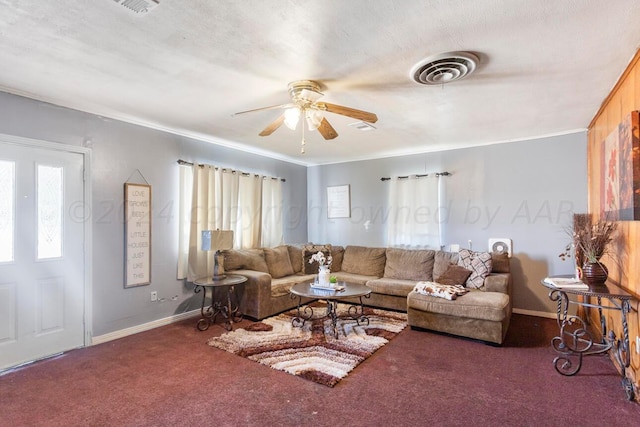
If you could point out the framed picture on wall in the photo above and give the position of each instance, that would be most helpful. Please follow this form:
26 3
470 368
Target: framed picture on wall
620 171
339 201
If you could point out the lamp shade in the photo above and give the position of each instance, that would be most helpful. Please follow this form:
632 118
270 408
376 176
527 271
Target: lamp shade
213 240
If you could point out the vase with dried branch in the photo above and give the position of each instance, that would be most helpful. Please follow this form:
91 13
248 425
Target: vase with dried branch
591 239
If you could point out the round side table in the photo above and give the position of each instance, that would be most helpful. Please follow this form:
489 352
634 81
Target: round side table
227 309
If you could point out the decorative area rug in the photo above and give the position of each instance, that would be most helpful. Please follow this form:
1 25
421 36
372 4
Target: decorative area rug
312 351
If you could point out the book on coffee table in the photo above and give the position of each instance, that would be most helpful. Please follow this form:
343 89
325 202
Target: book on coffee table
566 282
336 288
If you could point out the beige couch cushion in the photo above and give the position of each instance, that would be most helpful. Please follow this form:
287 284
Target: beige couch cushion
343 276
409 264
476 304
245 259
364 260
500 263
395 287
280 287
337 252
295 256
278 261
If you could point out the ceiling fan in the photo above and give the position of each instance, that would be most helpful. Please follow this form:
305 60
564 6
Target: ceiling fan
304 103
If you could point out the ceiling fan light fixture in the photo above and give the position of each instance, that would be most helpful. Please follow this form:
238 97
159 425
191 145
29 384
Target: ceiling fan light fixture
291 117
314 118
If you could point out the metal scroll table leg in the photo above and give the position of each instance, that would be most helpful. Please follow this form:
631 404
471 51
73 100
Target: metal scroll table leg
231 314
332 312
574 339
207 314
621 352
304 313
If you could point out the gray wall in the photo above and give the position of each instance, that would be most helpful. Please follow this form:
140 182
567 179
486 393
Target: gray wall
118 151
524 190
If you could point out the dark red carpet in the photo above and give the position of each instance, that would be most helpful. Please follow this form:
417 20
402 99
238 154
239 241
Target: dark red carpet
170 377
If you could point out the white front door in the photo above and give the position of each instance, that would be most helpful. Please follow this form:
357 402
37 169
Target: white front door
42 288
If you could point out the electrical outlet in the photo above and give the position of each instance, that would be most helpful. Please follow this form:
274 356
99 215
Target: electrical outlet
637 345
154 296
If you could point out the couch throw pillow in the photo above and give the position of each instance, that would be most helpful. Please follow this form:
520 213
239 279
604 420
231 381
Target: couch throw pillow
442 261
278 262
310 250
449 292
455 275
480 265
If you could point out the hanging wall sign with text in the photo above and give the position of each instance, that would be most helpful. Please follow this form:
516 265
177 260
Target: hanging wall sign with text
137 238
339 201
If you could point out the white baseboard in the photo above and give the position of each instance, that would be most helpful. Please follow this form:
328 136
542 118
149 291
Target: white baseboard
178 317
535 313
144 327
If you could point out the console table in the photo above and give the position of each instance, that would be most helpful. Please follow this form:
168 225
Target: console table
229 312
575 341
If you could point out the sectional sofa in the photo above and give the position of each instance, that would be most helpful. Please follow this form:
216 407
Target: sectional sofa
391 273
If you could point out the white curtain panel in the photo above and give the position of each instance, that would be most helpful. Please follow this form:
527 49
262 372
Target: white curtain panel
272 233
214 198
227 188
249 218
184 220
203 217
413 219
208 201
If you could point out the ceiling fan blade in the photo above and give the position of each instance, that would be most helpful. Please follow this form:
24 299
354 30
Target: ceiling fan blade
326 130
273 107
272 126
346 111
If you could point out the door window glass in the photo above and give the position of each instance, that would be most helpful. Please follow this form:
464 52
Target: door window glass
7 209
50 207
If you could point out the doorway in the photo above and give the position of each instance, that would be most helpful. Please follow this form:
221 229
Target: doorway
43 242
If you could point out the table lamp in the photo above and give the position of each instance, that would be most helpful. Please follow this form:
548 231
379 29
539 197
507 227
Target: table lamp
217 240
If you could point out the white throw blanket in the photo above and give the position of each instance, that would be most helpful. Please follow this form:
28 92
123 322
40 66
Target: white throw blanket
449 292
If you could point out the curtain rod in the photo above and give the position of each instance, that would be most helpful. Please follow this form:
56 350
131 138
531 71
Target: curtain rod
437 174
184 162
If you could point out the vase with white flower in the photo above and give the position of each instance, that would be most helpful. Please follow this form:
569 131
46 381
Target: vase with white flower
324 263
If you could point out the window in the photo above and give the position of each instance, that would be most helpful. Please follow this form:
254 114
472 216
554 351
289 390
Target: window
414 208
213 198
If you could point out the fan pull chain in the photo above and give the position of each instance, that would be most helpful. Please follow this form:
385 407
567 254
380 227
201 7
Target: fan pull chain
303 141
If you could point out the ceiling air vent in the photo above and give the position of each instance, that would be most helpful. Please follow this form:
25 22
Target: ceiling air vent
363 126
138 6
444 68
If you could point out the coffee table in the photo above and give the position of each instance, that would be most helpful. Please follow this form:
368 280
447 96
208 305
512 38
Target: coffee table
349 290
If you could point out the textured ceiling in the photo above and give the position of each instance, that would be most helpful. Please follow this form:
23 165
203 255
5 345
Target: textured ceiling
187 66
